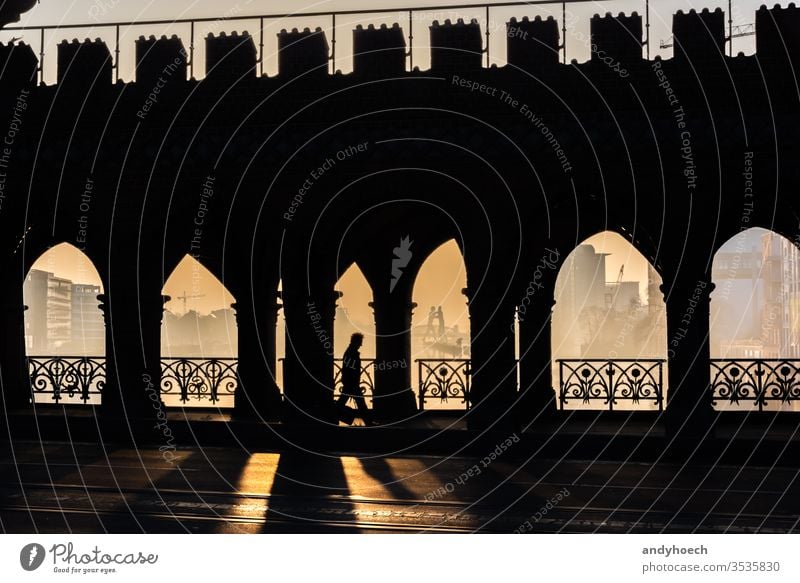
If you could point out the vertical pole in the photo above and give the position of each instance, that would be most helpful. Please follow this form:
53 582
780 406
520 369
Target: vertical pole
611 392
660 386
41 58
116 55
730 28
411 47
647 26
261 47
488 33
419 385
191 51
333 43
564 30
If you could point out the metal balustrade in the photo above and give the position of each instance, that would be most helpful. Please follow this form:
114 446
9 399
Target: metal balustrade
443 381
198 380
610 382
366 378
764 383
67 380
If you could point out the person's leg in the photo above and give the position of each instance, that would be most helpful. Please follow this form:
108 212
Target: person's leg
363 410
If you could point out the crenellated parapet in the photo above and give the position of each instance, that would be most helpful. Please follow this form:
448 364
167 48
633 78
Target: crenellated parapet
302 52
159 57
230 57
18 63
618 37
379 51
456 46
699 36
82 65
778 33
533 45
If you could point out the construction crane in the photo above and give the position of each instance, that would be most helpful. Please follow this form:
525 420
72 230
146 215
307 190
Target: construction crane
185 298
737 31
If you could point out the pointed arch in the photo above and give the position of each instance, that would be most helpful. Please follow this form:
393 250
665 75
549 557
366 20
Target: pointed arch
354 312
199 339
440 325
754 328
64 327
609 313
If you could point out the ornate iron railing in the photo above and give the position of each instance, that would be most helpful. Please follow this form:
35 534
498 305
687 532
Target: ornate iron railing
761 382
444 379
67 379
199 379
366 379
609 382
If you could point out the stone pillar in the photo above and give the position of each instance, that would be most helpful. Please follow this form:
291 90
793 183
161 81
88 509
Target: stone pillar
394 397
689 411
257 396
537 399
133 355
493 366
308 368
14 378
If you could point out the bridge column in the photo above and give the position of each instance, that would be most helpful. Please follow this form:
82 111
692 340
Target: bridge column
394 397
257 396
14 380
308 369
689 411
494 372
537 401
133 356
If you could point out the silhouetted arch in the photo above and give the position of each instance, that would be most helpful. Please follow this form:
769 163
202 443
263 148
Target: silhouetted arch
354 313
754 328
440 284
64 327
199 339
608 307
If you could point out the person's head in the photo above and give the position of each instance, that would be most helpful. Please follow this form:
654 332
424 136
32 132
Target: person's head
357 340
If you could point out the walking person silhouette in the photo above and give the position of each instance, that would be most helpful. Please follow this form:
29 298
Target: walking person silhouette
351 383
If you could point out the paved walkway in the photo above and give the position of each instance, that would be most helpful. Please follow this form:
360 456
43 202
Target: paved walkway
88 488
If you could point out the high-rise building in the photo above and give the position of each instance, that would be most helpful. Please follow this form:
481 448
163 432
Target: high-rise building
88 329
62 317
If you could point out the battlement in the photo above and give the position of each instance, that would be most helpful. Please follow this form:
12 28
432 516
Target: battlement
379 51
84 64
18 63
302 53
456 46
618 37
699 36
230 58
778 33
156 57
533 44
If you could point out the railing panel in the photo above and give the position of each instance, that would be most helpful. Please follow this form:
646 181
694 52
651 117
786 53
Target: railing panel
444 382
199 381
366 378
67 380
764 384
611 384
